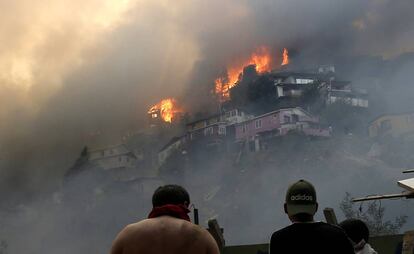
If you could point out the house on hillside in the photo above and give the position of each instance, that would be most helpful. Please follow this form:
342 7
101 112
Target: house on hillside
342 91
257 130
299 78
212 127
393 125
213 132
234 115
218 126
291 84
113 157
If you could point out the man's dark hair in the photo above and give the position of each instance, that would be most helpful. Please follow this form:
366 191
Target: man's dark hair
170 194
355 229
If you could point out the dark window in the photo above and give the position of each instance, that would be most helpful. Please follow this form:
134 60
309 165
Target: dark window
208 131
385 125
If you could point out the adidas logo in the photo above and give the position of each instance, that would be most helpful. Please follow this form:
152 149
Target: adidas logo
301 198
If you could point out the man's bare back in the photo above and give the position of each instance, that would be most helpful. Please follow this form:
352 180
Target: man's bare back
164 235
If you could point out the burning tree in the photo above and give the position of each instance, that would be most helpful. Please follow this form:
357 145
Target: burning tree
262 61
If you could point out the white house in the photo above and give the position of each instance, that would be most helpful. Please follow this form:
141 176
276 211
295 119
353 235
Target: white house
113 157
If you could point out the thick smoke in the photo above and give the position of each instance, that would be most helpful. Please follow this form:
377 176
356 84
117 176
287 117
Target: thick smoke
65 77
69 77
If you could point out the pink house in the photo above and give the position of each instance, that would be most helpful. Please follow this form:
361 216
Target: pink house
278 123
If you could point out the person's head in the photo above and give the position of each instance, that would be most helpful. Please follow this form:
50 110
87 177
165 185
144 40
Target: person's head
356 230
170 194
300 204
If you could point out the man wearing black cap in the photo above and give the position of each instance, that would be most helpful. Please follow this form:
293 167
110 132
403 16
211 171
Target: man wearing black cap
305 235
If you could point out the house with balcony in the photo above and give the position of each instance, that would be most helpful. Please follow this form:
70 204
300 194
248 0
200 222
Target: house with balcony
233 115
293 85
218 126
257 130
342 91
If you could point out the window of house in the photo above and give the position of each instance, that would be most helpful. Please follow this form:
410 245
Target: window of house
295 118
304 81
127 159
385 125
258 123
120 159
208 131
222 130
228 114
286 119
233 113
244 128
239 113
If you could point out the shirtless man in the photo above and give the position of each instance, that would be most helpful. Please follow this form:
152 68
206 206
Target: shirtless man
167 230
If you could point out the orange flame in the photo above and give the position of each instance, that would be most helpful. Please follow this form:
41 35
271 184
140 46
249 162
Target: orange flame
285 57
261 58
166 109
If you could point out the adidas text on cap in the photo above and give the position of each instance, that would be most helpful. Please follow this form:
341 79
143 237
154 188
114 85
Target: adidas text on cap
301 198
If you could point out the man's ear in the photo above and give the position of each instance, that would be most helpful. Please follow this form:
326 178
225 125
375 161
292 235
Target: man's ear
285 208
186 203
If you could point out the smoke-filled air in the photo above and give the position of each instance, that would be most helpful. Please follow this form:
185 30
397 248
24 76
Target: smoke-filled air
104 100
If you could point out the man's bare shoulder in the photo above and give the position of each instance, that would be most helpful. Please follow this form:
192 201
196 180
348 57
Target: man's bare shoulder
167 232
164 223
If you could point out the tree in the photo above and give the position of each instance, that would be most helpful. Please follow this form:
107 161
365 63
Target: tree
373 216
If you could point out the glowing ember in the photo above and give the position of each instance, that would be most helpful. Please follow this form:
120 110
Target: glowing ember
166 109
285 57
261 58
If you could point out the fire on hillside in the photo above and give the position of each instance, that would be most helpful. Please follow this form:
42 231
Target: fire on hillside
166 110
261 58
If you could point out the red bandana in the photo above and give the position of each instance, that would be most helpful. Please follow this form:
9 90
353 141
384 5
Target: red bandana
177 211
